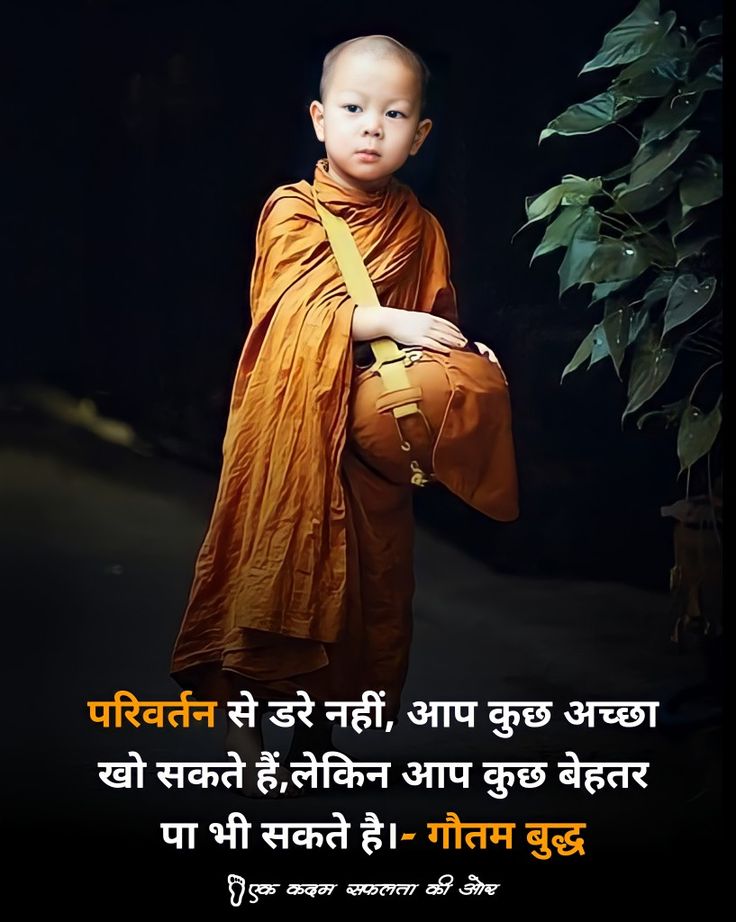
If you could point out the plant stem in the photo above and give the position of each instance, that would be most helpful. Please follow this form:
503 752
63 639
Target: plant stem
631 133
697 383
614 222
612 226
628 214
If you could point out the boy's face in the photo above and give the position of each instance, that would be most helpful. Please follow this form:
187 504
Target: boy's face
369 104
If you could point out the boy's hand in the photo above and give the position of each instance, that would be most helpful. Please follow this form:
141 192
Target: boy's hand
491 356
416 328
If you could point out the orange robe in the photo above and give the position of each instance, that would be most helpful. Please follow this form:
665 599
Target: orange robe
305 577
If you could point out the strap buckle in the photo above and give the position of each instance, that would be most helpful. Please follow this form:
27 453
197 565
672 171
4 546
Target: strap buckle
418 477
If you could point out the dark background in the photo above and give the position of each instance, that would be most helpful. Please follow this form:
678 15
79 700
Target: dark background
145 138
142 140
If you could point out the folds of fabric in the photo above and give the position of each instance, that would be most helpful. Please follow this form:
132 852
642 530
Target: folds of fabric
373 649
290 588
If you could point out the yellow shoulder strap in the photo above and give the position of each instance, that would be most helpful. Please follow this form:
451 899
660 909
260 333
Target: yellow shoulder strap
390 359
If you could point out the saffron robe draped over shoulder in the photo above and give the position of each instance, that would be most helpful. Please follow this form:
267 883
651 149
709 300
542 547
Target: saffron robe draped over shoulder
305 576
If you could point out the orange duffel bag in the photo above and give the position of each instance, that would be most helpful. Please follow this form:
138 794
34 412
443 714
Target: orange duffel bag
419 416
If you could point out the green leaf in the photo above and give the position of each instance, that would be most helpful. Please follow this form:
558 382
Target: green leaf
616 330
625 104
584 117
644 196
676 222
693 245
710 27
702 183
618 174
600 347
653 158
673 111
559 232
648 86
712 79
694 231
697 433
668 58
582 353
632 37
650 368
669 414
603 289
659 249
659 289
687 296
639 320
543 205
644 227
579 251
615 259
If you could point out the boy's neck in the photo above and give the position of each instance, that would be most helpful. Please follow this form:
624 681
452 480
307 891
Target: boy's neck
351 185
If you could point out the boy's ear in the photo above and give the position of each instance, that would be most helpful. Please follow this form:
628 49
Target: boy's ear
423 129
316 112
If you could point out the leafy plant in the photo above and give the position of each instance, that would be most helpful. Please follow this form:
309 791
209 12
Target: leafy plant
647 235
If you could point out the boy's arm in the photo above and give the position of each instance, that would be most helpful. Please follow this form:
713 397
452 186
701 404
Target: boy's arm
286 237
369 322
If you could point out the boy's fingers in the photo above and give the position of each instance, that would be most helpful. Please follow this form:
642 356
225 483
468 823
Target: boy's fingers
452 336
450 324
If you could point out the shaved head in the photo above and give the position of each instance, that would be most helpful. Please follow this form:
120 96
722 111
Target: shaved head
379 47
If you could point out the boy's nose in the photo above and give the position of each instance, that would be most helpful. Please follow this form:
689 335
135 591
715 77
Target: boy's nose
372 125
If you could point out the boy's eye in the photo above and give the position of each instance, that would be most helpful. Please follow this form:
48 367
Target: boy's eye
352 105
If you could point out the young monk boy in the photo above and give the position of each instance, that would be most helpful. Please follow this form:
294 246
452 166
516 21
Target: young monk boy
305 577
